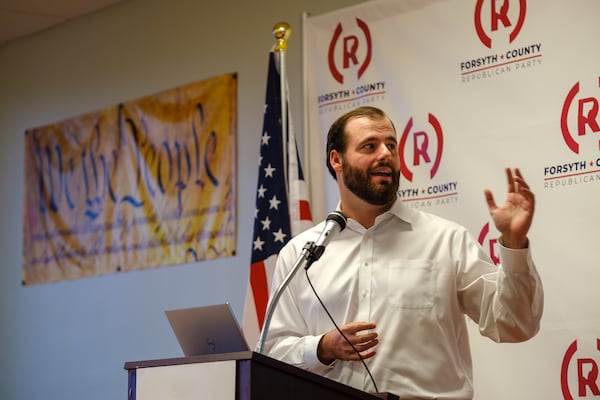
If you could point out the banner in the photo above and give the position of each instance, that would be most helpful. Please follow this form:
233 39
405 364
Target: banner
146 183
473 87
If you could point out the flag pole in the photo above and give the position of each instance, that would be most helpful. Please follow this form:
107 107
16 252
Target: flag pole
282 32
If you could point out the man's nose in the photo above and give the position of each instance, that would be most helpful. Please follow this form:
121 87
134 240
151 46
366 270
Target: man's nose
384 152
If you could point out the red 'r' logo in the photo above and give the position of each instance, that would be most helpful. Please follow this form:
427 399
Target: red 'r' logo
586 373
421 147
491 243
586 115
350 54
499 15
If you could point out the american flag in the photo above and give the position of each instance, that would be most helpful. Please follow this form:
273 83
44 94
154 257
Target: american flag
282 208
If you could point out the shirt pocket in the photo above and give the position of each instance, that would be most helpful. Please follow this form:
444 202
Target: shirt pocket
411 283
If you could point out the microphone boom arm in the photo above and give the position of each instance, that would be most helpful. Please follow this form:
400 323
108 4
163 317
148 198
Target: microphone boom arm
305 259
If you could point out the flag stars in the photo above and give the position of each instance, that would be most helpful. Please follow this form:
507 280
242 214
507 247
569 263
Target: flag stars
265 139
274 203
261 191
269 171
258 244
279 236
266 224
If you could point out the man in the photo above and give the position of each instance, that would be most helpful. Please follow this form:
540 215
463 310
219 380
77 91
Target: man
398 281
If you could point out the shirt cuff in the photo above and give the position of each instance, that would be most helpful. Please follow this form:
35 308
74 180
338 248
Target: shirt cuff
310 355
515 260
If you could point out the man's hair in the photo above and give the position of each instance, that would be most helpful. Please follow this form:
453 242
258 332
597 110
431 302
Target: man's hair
337 138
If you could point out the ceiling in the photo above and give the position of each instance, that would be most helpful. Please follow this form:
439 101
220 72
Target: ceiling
20 18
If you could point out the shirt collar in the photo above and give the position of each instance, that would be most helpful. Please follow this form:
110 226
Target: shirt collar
401 211
398 210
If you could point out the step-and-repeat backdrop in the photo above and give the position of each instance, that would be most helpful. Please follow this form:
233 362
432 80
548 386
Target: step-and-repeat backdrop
474 87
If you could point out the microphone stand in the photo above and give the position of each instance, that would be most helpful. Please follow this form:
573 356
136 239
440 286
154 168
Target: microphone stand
306 258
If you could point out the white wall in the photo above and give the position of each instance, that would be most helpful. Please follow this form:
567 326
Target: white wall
70 340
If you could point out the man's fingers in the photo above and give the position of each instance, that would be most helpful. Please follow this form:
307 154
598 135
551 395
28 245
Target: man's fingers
516 181
355 337
519 174
489 198
355 327
357 344
366 345
521 182
365 337
362 348
511 180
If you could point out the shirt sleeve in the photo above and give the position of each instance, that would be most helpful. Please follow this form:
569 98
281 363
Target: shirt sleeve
289 338
506 302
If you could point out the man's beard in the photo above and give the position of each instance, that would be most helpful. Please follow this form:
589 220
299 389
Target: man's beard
360 183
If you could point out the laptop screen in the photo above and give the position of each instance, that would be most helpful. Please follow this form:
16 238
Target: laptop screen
206 330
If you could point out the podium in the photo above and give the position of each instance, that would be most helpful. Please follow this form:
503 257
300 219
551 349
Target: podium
245 375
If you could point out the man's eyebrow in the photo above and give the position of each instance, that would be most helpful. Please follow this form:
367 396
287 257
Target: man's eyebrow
373 138
392 137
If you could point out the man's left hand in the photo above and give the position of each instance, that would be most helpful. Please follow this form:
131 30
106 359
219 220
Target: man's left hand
513 218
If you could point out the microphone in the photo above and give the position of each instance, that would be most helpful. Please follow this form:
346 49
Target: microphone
334 224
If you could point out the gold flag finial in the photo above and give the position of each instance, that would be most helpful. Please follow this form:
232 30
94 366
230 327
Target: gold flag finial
282 32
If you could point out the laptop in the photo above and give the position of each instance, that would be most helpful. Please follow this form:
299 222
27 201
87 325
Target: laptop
207 330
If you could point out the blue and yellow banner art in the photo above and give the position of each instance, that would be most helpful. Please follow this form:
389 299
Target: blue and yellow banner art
143 184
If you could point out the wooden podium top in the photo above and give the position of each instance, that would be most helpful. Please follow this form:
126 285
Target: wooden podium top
242 355
272 371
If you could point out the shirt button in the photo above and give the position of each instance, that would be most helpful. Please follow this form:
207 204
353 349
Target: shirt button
364 293
366 264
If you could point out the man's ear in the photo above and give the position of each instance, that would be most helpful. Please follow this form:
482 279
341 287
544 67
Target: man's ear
335 159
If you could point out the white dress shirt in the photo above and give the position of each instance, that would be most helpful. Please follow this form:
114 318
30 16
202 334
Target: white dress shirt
415 275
